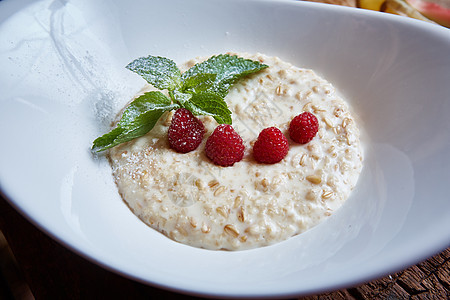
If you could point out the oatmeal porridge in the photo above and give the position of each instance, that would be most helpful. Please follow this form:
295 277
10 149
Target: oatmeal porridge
249 205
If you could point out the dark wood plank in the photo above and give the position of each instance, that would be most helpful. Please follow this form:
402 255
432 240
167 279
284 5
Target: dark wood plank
53 271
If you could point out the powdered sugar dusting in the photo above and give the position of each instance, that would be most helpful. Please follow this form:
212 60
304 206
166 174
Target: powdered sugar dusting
248 205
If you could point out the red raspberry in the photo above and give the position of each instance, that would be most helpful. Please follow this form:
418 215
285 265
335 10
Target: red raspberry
271 146
303 128
224 146
185 131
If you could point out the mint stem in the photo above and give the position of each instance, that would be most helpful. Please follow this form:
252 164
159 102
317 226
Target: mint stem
201 90
172 97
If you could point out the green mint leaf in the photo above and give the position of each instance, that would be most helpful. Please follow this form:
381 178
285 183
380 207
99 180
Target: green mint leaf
160 72
209 104
228 70
147 102
137 119
201 90
199 83
181 98
108 140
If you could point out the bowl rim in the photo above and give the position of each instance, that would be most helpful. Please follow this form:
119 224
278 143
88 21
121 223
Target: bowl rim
85 253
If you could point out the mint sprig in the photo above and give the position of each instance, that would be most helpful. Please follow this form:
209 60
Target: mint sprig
160 72
228 70
201 90
137 119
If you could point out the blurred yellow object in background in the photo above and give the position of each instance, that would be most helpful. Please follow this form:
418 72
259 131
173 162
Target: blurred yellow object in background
370 4
398 7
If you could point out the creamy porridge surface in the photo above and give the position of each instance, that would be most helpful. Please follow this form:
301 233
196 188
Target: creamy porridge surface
248 205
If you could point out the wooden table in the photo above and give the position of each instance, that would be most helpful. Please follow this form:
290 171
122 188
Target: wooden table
53 272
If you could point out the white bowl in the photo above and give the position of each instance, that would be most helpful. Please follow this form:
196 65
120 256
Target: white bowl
63 79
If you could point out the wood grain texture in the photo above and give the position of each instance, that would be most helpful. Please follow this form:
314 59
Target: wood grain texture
54 272
426 280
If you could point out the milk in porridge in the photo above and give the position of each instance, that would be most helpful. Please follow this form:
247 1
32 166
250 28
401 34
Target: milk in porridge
249 205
